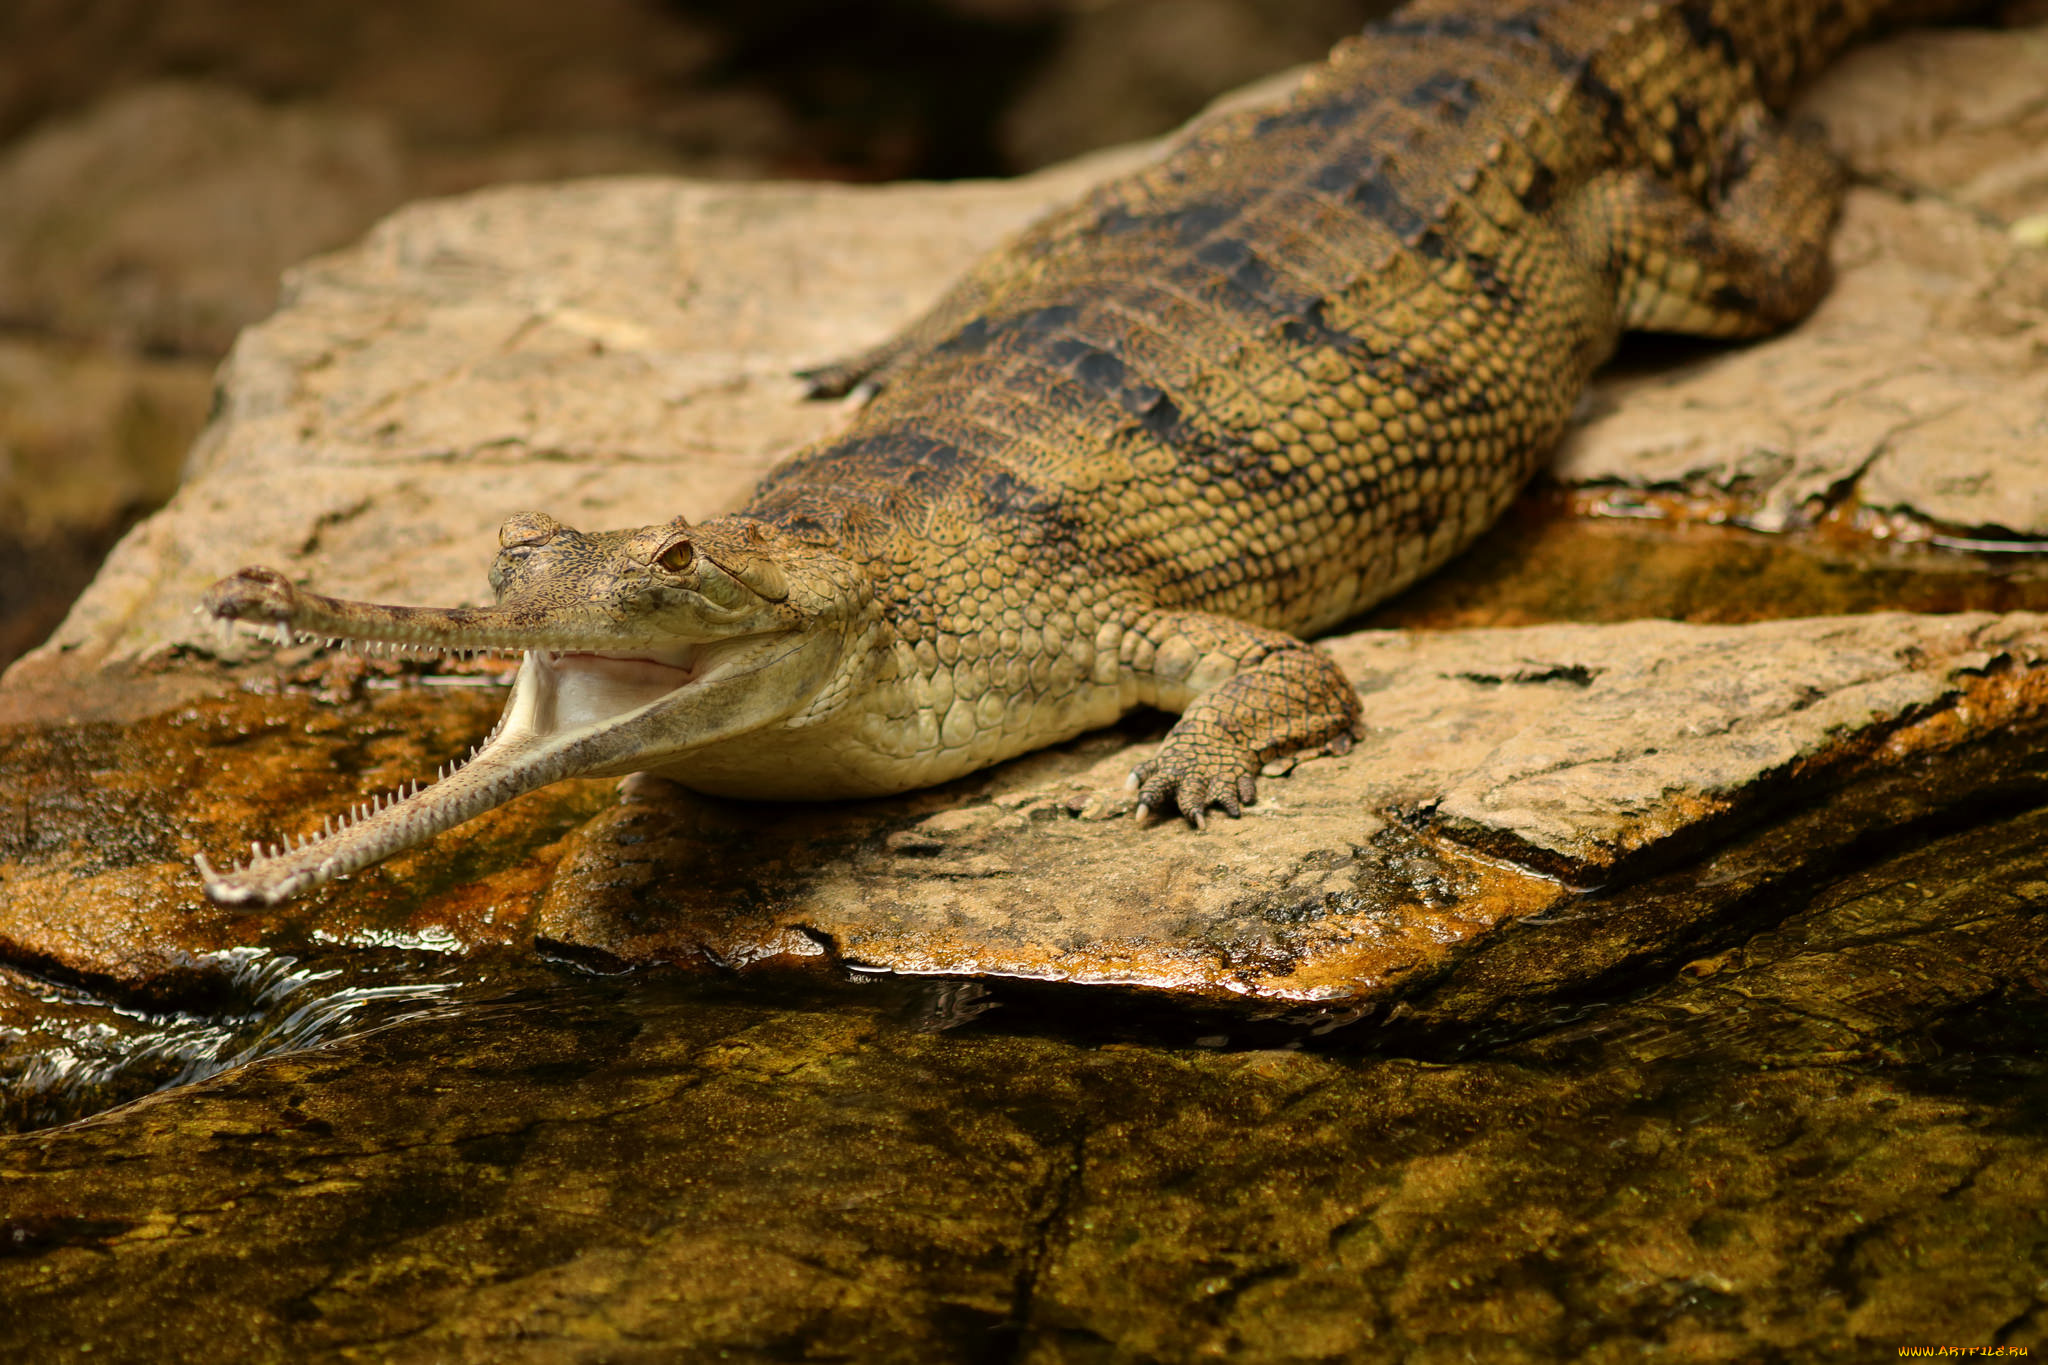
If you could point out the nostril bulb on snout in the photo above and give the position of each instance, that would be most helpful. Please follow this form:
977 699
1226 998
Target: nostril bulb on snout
254 592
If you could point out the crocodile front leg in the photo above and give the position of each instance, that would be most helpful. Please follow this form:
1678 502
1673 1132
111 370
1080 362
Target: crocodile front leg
1245 695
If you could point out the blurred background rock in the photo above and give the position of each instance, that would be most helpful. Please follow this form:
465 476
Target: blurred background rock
162 162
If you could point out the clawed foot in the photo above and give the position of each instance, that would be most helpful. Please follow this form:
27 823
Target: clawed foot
1189 781
1191 784
1286 699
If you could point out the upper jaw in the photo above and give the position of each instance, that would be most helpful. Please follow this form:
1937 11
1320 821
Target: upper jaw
268 601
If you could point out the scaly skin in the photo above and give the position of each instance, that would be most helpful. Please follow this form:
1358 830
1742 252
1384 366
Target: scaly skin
1135 457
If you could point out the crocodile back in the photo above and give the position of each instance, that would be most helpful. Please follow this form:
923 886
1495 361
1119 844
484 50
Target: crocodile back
1312 353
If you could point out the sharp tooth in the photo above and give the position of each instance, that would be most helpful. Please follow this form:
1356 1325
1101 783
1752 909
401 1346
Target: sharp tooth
255 850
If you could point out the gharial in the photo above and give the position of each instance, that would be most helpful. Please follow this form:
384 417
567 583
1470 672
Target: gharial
1137 455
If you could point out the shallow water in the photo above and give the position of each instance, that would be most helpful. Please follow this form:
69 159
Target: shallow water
81 1053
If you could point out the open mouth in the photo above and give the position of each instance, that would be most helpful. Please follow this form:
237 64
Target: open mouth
590 686
575 711
560 692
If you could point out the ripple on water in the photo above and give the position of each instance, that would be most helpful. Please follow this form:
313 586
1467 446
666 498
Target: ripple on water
66 1052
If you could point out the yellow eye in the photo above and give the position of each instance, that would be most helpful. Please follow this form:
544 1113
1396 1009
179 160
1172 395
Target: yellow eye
676 557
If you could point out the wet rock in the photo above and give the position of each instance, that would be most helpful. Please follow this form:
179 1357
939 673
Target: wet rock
1561 554
100 818
1819 1142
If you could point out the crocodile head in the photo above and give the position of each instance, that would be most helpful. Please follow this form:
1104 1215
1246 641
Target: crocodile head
639 646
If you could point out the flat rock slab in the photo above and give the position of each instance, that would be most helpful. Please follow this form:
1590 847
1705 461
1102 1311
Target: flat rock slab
1508 780
1504 775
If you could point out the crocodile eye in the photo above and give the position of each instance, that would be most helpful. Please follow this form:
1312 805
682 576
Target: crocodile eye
676 557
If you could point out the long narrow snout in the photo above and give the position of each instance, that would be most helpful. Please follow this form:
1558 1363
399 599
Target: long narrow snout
581 706
271 603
